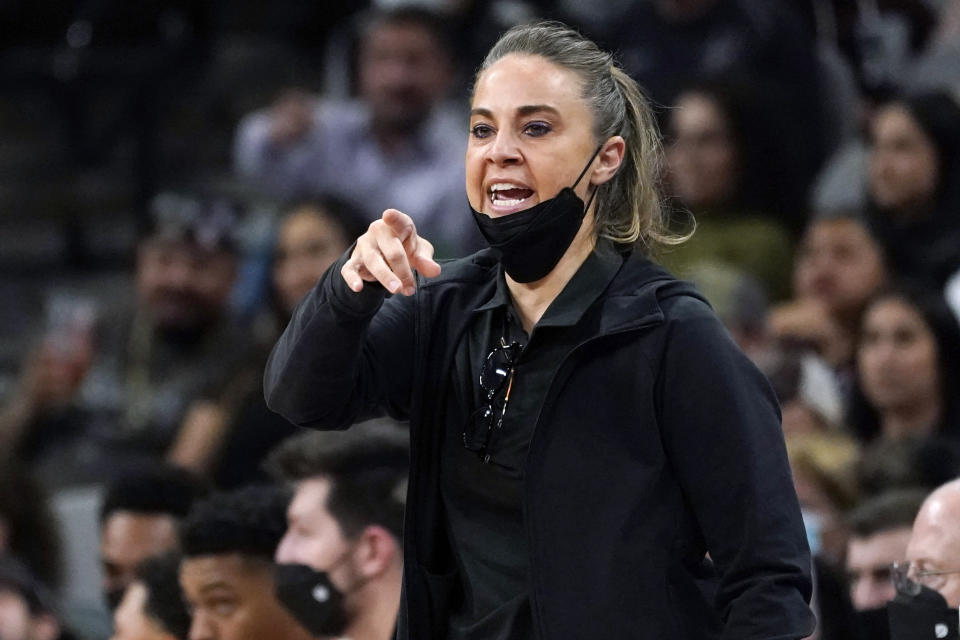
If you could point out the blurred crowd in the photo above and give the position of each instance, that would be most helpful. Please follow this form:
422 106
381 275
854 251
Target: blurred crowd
179 174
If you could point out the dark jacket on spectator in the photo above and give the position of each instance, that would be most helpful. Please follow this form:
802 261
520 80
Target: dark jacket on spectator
657 441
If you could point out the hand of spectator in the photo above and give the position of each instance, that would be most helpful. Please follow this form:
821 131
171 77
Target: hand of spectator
291 117
387 253
53 374
807 323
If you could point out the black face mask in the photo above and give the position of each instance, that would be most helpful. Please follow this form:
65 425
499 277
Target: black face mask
531 242
311 598
925 615
871 624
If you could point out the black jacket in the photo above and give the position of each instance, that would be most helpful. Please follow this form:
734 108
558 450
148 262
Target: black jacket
658 440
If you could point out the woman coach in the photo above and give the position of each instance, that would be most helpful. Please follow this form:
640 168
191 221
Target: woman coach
583 431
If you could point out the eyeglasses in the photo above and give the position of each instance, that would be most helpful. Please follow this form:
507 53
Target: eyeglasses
496 374
908 578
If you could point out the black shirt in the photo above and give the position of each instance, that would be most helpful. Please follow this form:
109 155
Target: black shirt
483 500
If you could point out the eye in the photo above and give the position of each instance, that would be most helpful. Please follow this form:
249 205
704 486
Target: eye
537 129
481 130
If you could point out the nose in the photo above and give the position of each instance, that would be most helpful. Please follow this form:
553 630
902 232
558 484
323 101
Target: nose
201 627
504 150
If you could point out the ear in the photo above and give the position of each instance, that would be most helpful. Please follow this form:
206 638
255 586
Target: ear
609 160
377 549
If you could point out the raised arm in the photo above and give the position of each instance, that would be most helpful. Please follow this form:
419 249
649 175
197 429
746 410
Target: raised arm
348 350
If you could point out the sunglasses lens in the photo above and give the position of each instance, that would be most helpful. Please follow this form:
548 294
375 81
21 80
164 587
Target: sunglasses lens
495 369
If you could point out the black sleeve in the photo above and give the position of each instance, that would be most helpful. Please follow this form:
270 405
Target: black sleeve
721 430
344 356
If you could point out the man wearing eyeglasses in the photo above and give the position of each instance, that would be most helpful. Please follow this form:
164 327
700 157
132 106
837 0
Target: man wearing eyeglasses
928 583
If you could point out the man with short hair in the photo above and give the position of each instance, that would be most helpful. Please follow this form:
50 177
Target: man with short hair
879 533
346 518
139 518
227 571
399 145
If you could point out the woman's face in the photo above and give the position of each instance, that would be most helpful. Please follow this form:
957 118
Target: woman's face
702 156
838 264
531 134
897 357
308 242
904 167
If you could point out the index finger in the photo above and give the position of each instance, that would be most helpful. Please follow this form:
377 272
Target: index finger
401 224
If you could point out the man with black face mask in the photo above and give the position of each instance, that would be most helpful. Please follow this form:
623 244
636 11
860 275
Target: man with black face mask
928 583
340 561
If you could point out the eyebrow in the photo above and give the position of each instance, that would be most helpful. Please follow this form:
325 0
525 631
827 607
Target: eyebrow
524 110
216 586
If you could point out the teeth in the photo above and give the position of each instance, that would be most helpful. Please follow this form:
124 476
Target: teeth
503 186
508 203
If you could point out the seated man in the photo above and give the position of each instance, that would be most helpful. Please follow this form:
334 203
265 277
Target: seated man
879 533
345 523
928 583
227 572
152 607
124 401
399 145
138 520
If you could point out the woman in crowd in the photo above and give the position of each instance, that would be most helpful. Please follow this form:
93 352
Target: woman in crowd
914 184
227 437
908 367
721 168
583 430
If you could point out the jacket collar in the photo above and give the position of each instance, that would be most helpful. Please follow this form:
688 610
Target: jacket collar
633 298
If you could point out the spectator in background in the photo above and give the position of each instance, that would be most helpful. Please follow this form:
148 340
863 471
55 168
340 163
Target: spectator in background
839 265
28 529
27 611
908 368
311 236
150 361
914 184
138 520
723 168
227 572
934 547
400 145
152 607
740 302
227 437
669 45
879 533
928 583
345 522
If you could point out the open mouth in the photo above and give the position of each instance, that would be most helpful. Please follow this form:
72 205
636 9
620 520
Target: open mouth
506 195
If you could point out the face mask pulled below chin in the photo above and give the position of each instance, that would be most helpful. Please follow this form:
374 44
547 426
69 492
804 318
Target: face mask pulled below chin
312 599
531 242
922 617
